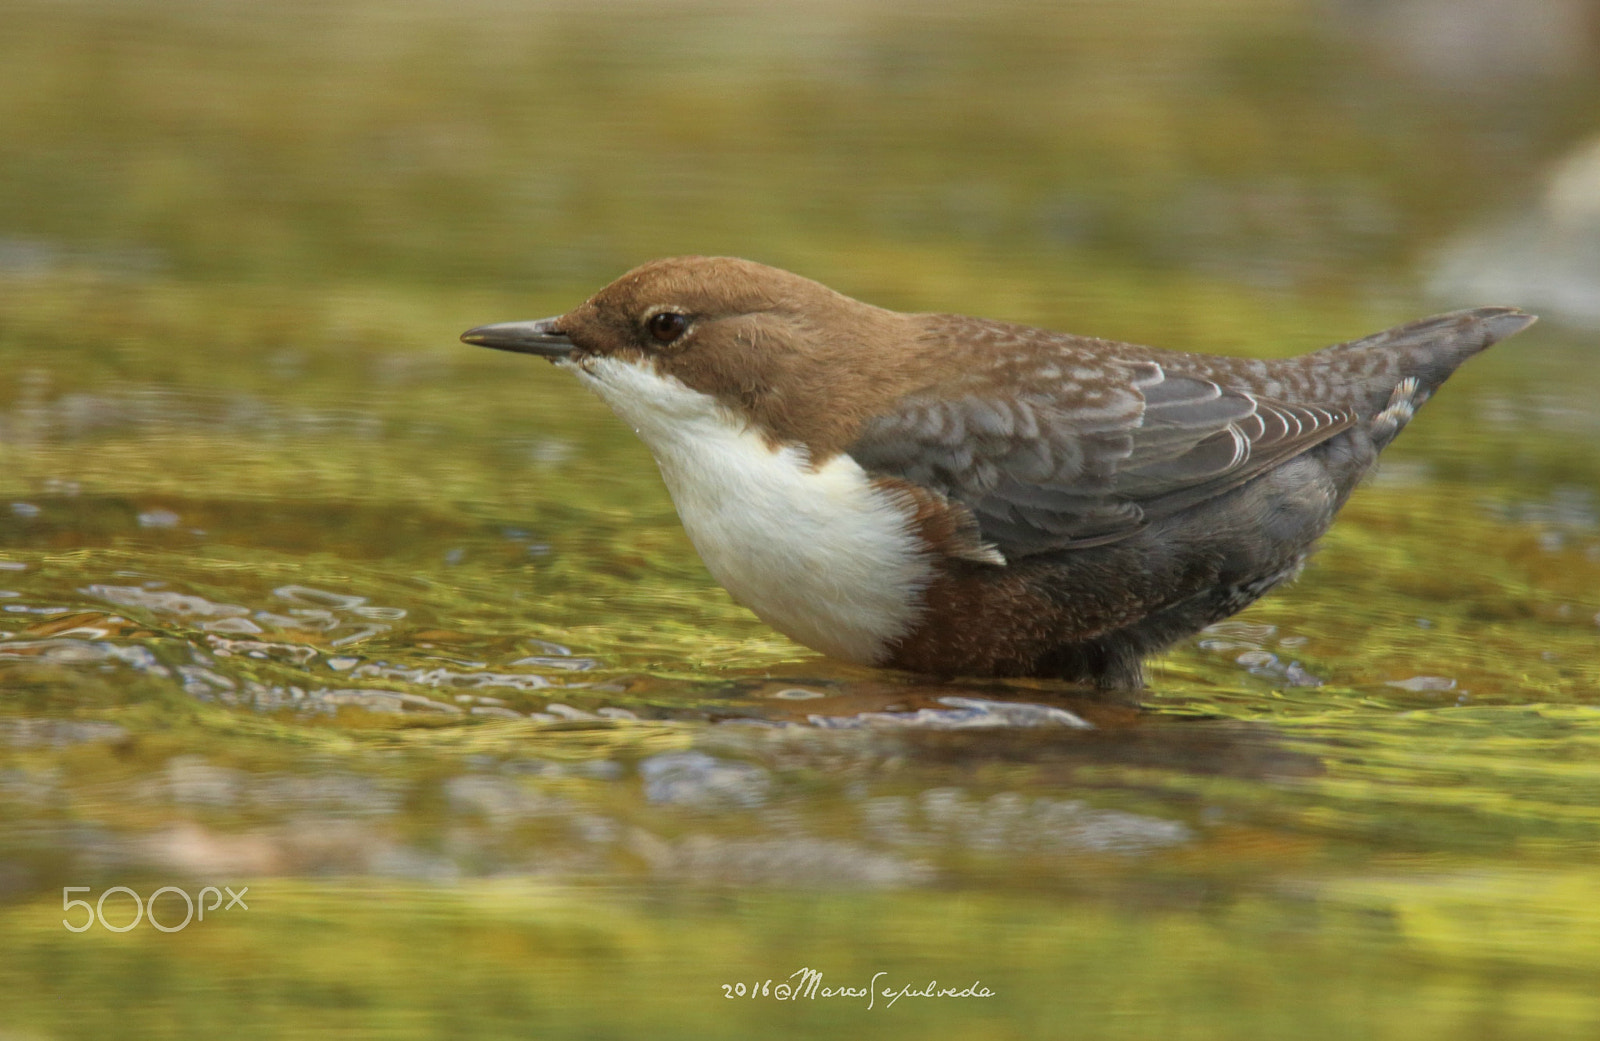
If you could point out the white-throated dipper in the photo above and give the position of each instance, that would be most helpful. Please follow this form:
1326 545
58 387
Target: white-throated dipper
960 496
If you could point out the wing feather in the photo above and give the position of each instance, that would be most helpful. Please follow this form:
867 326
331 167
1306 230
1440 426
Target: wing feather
1089 458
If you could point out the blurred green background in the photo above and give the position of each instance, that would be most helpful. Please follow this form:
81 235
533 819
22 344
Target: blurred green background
301 594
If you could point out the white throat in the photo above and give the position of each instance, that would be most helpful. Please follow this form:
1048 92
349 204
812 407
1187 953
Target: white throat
818 553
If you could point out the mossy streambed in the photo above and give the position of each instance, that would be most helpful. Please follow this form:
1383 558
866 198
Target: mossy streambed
301 596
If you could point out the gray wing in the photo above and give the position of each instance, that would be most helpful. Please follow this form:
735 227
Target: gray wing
1092 461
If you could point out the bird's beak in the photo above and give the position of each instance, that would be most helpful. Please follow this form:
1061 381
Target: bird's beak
540 337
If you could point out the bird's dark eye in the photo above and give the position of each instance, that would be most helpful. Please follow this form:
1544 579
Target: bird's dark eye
666 326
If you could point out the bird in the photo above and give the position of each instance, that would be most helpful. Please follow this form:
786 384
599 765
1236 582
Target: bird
966 497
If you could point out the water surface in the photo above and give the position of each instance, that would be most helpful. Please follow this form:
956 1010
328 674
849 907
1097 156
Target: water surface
299 594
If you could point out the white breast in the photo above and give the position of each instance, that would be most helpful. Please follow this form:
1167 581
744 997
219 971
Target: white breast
817 552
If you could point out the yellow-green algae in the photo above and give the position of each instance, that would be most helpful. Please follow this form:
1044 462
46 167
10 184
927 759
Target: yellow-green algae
236 247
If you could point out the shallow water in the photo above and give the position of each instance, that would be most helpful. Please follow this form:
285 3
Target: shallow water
299 594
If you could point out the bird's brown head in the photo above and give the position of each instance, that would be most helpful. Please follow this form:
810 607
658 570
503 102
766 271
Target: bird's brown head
803 362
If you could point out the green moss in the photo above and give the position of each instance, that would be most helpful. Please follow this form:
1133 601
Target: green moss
236 249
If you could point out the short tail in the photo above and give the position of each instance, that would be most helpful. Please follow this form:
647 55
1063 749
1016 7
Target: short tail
1400 368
